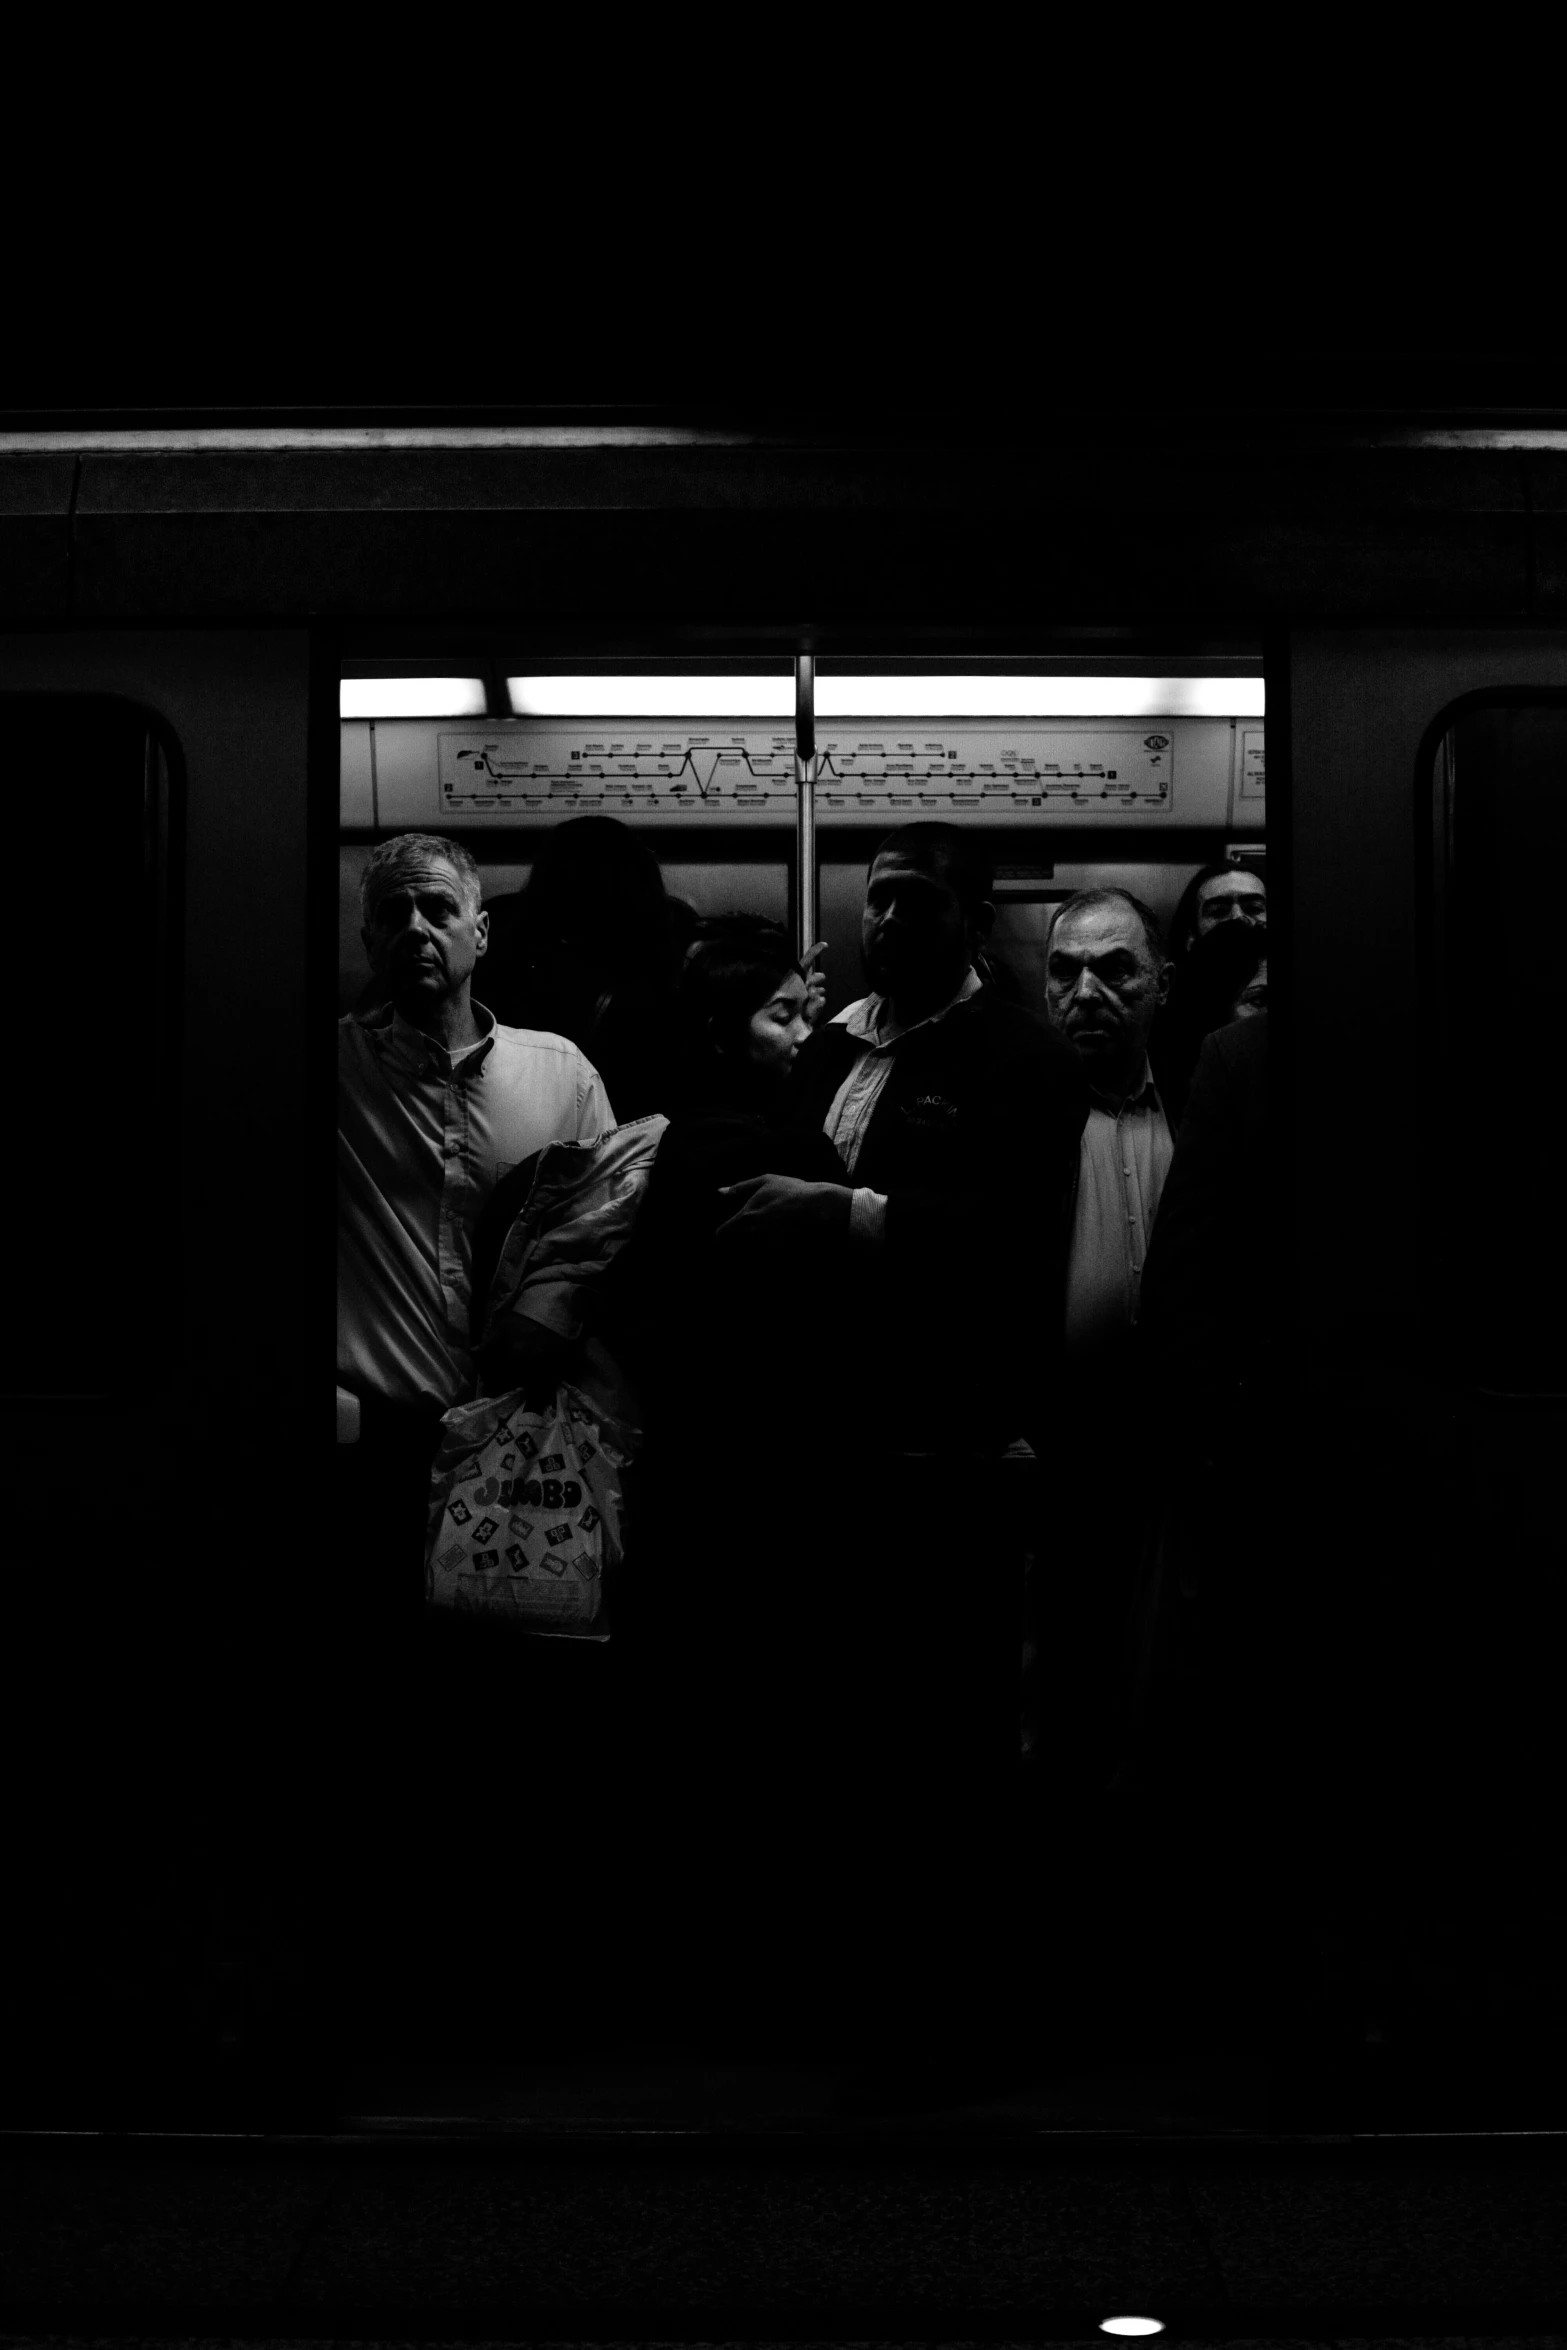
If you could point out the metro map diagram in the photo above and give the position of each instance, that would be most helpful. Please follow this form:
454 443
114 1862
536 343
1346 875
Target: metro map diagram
747 772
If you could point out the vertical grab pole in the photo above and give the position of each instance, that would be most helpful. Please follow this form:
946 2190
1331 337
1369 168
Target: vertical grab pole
805 797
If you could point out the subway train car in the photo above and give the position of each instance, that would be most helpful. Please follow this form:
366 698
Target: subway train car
236 656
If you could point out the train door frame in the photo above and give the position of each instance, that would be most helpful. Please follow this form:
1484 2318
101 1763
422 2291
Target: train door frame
1433 919
853 844
164 799
226 1451
1415 1810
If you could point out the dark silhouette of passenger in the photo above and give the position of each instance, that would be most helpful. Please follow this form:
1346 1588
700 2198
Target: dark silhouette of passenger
590 949
1203 1633
1205 1285
687 925
717 1350
1223 977
897 1568
957 1117
998 975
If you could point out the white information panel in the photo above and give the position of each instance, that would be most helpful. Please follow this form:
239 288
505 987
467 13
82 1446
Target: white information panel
1251 772
1175 773
745 772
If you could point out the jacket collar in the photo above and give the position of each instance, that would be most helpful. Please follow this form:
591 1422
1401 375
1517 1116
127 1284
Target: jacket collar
863 1021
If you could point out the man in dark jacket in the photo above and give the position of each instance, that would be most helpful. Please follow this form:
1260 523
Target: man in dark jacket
957 1117
1205 1293
1207 1307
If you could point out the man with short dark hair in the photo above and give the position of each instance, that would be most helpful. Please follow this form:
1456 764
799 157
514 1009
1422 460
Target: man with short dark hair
957 1117
894 1533
1214 896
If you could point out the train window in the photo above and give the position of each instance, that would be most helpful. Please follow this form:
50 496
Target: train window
1499 1255
84 1187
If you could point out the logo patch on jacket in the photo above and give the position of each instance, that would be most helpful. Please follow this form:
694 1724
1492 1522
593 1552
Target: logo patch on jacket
931 1110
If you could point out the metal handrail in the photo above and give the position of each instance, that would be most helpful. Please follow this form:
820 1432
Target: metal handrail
805 797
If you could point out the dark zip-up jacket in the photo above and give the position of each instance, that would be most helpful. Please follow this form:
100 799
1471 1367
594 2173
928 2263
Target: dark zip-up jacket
974 1143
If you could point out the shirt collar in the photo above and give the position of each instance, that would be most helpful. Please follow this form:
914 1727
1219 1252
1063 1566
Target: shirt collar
1143 1096
401 1041
863 1021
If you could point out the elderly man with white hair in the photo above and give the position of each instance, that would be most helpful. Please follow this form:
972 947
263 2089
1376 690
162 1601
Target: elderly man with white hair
436 1102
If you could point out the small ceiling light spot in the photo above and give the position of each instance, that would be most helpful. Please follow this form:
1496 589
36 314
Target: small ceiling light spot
1131 2325
411 697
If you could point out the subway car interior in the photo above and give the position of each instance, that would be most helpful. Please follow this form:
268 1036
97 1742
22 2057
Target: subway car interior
1295 1882
764 787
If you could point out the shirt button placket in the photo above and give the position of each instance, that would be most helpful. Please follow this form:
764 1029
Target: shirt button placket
451 1202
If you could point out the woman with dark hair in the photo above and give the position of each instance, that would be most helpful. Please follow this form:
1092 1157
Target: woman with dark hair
728 1620
588 950
742 1011
1223 977
719 1354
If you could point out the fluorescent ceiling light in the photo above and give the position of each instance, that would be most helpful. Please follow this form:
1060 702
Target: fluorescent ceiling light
1039 697
652 697
411 697
1131 2325
888 697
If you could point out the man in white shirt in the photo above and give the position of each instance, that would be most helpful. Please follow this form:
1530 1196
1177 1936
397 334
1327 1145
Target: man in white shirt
956 1115
436 1102
1105 978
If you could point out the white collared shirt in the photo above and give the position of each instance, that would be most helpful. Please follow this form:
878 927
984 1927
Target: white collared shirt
423 1138
1123 1160
868 1022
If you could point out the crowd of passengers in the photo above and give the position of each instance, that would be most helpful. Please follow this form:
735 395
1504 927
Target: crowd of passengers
856 1261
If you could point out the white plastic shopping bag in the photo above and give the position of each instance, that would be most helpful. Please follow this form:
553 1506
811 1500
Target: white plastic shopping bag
526 1513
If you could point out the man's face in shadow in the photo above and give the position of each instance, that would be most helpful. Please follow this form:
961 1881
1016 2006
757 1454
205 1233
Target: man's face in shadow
1231 897
1103 985
423 937
915 940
